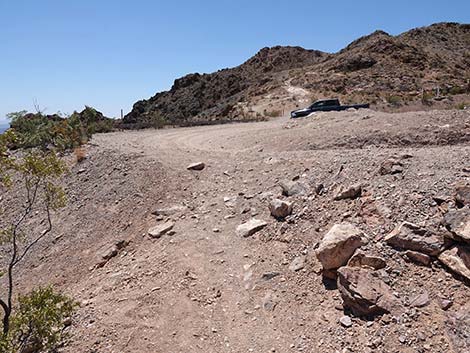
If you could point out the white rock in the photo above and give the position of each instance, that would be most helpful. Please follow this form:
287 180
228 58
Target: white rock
339 244
251 227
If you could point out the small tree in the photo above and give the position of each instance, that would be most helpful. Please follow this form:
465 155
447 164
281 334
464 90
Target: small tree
34 174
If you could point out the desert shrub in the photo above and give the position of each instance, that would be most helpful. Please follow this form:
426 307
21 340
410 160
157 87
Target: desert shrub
94 121
80 154
38 322
394 100
462 105
456 90
273 113
43 131
427 98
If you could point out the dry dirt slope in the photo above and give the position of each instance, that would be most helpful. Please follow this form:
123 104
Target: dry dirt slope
205 289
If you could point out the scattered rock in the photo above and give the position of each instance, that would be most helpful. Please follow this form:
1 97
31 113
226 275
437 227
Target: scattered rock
280 209
445 304
110 253
338 245
420 301
169 211
269 301
462 195
269 275
418 257
251 227
159 230
410 236
391 166
360 259
365 294
346 321
458 224
352 192
297 264
457 259
291 188
456 325
196 166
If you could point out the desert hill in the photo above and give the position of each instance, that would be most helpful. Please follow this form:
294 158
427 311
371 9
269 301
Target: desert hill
378 68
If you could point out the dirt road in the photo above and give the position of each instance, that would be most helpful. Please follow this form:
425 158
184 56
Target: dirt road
205 289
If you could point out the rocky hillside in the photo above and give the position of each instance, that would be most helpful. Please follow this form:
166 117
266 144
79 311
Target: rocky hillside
378 68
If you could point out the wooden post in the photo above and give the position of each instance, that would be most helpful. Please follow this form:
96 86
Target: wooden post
122 115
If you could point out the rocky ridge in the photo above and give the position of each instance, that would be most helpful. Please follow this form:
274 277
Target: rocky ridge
385 70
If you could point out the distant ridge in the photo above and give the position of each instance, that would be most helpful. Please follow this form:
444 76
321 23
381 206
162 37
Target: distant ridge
376 68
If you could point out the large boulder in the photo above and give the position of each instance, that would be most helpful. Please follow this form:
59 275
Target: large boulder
365 294
457 259
338 245
410 236
251 227
280 209
458 224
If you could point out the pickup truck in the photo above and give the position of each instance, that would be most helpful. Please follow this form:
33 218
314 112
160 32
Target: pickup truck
325 105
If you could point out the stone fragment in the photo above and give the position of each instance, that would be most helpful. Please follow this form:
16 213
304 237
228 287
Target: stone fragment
339 244
161 229
360 259
445 304
291 188
420 300
457 259
297 264
351 192
269 275
365 294
280 209
418 257
458 224
169 211
462 195
391 166
250 227
410 236
345 321
196 166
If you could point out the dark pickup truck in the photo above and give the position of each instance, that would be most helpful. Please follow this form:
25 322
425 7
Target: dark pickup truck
325 105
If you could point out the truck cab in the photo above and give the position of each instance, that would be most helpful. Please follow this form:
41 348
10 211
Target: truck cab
325 103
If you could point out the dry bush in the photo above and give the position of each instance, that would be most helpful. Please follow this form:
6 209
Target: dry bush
273 113
80 154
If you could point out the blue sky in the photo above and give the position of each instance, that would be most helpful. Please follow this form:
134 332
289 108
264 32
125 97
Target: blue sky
108 54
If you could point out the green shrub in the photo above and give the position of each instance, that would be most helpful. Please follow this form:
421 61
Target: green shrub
456 90
38 130
38 322
273 113
394 100
44 131
463 105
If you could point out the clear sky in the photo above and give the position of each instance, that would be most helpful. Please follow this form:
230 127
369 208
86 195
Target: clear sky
108 54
